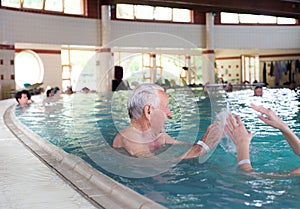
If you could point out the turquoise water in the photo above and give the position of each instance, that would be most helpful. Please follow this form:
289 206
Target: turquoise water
85 125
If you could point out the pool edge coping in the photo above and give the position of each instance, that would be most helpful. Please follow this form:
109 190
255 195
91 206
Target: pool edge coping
99 189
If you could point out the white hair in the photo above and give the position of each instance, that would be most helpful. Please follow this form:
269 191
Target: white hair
144 94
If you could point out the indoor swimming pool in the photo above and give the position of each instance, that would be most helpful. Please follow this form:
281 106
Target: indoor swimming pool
86 124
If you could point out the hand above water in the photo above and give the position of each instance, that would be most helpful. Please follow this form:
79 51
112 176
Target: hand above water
237 131
241 138
214 133
269 117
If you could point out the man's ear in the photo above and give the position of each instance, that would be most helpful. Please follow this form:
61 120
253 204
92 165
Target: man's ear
147 111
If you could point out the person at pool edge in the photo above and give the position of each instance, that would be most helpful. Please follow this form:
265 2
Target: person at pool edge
242 138
148 111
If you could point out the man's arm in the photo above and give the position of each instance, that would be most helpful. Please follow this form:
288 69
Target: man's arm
211 138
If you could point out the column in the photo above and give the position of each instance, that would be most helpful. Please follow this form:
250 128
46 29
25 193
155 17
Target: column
208 58
189 71
153 69
104 70
104 63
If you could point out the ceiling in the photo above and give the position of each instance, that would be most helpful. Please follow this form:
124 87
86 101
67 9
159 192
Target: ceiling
283 8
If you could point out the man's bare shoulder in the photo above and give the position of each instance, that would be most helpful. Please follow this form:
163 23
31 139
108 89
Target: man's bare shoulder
119 138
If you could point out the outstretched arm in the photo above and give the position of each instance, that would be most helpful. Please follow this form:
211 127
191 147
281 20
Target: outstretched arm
241 138
211 138
273 120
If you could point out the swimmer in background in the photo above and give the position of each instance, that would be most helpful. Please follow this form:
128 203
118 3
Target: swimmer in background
23 98
229 87
242 137
87 90
258 91
69 90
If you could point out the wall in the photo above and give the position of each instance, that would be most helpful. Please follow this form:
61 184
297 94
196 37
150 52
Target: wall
229 68
49 30
7 75
257 37
284 73
25 27
152 35
52 69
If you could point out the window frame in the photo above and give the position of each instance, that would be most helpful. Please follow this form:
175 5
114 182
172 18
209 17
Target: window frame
64 11
153 19
239 19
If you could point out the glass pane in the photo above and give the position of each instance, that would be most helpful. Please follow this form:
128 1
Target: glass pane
11 3
144 12
182 15
232 18
65 57
65 84
163 13
66 73
74 7
285 20
30 73
34 4
267 19
83 69
248 18
54 5
125 11
146 59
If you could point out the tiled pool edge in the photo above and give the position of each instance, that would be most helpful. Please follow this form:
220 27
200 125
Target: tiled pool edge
98 188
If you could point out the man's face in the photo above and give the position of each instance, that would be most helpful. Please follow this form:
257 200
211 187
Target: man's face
164 104
160 115
23 100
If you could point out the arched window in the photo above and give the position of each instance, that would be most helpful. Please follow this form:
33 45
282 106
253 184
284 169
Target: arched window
29 69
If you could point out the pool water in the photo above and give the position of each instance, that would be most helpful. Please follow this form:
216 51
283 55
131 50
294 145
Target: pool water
86 124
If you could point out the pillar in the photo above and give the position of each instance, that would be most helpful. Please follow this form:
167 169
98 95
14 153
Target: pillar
208 58
104 63
153 72
104 70
189 71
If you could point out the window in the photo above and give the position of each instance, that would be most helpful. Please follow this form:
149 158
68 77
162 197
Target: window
32 72
142 12
250 68
163 13
229 18
78 69
73 7
125 11
64 6
138 67
37 4
181 15
285 20
54 5
235 18
11 3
